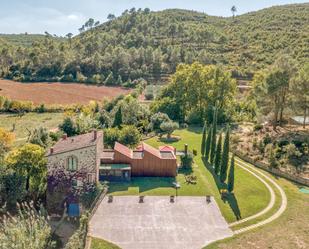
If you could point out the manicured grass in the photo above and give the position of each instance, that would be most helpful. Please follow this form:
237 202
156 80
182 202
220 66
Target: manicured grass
102 244
29 121
250 195
290 230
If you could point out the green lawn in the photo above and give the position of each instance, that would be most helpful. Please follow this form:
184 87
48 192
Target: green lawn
102 244
290 230
250 195
29 121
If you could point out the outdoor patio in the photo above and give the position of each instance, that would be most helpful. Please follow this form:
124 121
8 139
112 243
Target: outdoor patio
189 222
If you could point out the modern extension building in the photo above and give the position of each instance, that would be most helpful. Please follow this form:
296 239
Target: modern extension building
75 163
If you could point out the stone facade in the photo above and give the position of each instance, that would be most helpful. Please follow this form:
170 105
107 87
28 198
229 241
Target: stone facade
86 161
65 185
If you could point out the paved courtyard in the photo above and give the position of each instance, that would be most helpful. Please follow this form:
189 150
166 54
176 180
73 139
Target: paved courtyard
189 223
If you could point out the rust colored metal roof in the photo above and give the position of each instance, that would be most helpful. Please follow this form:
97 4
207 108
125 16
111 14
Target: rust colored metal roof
75 143
123 149
151 150
167 148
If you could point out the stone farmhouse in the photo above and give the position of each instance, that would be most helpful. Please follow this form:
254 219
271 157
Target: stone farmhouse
77 163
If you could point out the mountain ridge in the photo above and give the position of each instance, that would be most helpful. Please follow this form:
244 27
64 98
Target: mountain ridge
149 45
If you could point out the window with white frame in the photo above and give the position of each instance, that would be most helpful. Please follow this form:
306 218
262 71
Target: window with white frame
72 163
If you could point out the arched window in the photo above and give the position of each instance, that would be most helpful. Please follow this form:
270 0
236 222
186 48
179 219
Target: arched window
72 163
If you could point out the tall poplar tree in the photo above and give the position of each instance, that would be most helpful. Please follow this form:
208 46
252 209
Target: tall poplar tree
208 143
203 144
218 155
230 182
225 156
213 136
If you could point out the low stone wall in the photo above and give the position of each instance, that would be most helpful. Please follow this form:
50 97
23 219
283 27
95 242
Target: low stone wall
274 171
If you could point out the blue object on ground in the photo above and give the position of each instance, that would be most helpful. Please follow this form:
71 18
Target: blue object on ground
304 190
73 210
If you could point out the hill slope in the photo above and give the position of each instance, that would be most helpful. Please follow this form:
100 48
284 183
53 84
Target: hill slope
151 45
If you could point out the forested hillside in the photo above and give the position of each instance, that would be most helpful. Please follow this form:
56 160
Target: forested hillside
149 45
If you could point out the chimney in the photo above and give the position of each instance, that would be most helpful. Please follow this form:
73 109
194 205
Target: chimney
95 134
51 150
186 149
64 136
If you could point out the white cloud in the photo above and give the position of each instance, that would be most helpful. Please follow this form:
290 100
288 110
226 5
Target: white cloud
72 17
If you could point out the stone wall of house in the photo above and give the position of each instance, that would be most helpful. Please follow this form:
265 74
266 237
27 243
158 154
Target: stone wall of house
100 148
59 188
86 160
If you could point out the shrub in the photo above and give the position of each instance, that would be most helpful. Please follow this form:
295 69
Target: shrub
111 135
40 109
130 136
258 127
149 96
194 117
194 151
186 160
29 229
12 188
292 151
55 136
267 139
39 136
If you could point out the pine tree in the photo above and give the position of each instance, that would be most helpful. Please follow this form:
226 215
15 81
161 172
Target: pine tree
118 118
225 156
218 155
214 137
230 182
203 144
208 143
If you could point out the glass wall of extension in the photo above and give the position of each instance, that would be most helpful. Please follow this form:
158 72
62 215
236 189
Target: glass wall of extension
115 172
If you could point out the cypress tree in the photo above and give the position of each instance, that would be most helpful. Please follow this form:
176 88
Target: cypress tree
214 137
208 143
225 156
218 155
230 182
203 140
118 118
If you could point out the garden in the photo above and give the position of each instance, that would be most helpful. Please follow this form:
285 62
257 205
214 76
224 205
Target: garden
250 195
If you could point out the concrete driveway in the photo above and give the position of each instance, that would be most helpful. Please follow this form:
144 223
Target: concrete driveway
189 223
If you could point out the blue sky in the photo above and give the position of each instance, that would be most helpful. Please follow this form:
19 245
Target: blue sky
63 16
